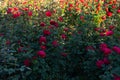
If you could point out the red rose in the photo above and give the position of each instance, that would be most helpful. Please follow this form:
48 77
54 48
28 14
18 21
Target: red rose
52 22
16 9
56 24
109 14
63 36
106 51
25 9
41 53
82 1
46 32
102 34
104 17
27 62
30 13
116 49
42 39
99 63
9 10
109 33
55 43
48 13
60 19
97 29
111 27
16 14
103 45
70 5
118 11
66 29
43 47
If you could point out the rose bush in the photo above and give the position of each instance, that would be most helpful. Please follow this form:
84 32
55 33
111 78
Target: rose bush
77 40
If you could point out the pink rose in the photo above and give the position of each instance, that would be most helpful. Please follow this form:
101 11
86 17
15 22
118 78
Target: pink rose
41 53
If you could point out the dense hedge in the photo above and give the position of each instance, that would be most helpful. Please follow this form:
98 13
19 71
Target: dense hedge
74 40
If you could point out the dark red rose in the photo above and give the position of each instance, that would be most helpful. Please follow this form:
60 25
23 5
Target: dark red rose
27 62
52 22
99 63
106 61
42 24
116 77
102 34
8 42
55 43
63 36
97 29
46 32
60 19
20 49
111 27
